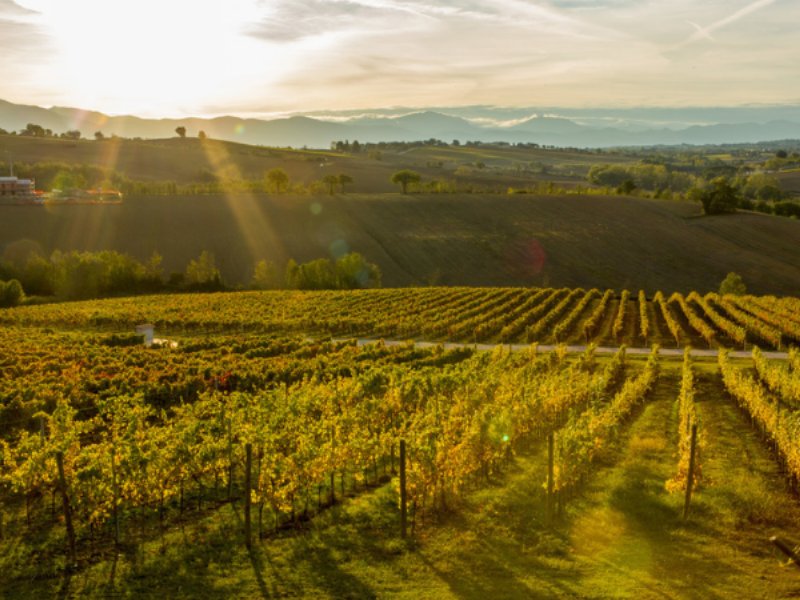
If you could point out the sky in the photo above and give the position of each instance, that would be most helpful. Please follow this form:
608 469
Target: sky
266 57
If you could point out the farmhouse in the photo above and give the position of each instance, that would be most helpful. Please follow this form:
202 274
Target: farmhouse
11 186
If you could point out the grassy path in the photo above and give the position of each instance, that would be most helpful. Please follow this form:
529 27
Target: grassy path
744 499
629 529
623 530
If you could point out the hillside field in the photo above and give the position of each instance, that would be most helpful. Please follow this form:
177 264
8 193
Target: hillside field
155 489
472 239
190 160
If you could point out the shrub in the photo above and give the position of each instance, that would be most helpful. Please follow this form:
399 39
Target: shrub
11 293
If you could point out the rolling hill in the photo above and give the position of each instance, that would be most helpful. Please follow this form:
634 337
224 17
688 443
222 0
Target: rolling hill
473 239
192 160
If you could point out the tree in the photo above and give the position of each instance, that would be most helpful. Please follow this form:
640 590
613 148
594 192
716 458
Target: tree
265 276
38 275
344 180
404 178
733 284
201 134
718 198
181 131
787 208
769 192
353 271
153 277
34 130
626 187
277 179
203 274
98 135
72 134
610 175
69 180
331 181
11 293
317 274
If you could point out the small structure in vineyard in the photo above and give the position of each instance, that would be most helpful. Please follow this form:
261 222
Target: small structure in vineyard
147 330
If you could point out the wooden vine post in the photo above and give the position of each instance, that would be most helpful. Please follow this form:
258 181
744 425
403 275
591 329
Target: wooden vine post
403 494
115 495
333 469
786 549
248 467
690 475
230 459
62 484
550 475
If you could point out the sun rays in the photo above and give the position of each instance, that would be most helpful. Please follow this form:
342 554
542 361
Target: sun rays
255 229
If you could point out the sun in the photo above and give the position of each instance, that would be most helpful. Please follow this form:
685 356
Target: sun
152 57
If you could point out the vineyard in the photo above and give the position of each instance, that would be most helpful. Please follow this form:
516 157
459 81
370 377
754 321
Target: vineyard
256 422
470 315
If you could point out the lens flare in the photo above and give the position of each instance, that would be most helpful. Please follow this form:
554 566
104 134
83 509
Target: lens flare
339 248
529 257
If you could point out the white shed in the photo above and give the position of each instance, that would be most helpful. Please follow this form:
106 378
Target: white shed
146 329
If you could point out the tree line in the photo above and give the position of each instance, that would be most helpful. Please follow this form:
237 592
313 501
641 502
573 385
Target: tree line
81 275
720 187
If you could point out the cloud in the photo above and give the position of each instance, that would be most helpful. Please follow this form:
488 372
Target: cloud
704 33
10 9
296 20
21 41
301 55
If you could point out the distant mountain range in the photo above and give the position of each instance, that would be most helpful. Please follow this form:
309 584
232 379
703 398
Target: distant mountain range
566 128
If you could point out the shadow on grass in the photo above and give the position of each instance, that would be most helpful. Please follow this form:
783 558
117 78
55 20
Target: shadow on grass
499 546
682 562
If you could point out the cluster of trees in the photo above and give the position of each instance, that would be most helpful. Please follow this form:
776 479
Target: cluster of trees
355 147
717 197
351 271
74 275
62 176
644 176
724 195
34 130
759 187
277 180
81 275
720 187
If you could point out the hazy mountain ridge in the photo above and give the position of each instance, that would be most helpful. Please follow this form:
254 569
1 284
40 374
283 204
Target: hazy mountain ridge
543 127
